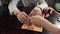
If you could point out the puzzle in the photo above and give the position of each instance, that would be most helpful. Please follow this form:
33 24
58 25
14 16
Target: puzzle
32 27
54 17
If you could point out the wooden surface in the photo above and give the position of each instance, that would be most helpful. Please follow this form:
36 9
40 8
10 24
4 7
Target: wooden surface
33 28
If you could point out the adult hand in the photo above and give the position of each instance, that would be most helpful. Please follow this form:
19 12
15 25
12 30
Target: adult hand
37 20
47 11
22 17
36 11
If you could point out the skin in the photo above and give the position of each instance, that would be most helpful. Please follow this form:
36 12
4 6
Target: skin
35 11
22 16
37 19
12 8
40 21
46 11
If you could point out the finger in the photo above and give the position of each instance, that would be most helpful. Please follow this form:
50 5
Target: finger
51 11
19 18
24 18
39 13
28 23
25 14
36 12
43 15
30 18
33 12
47 15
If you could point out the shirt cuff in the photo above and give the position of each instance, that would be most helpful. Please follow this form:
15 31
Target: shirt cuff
13 6
43 5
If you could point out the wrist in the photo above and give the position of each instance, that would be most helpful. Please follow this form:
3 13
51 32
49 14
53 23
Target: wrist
39 8
16 13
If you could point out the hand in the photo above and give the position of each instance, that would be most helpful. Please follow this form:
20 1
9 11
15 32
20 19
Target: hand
22 17
47 11
36 11
37 20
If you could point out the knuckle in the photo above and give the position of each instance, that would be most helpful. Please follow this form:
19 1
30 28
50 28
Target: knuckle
22 12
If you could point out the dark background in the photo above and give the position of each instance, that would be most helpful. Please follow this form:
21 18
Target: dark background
10 24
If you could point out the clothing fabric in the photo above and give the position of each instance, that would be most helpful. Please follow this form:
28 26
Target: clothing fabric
12 5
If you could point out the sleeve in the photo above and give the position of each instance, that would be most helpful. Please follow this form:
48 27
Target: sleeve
0 3
42 4
12 6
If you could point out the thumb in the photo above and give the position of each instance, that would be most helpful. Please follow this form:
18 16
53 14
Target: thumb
30 18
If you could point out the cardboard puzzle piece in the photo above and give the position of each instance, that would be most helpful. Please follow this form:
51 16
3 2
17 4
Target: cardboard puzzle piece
32 27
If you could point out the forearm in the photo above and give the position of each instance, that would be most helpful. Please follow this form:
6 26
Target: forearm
12 6
50 27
